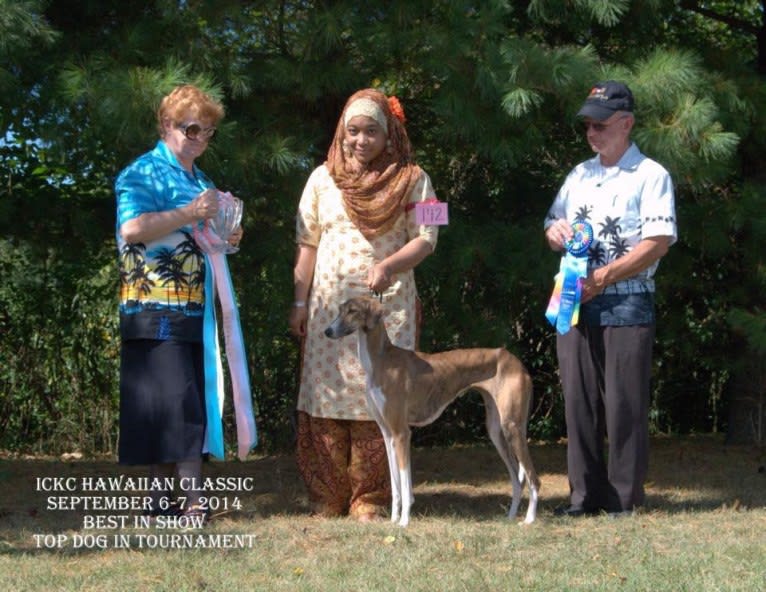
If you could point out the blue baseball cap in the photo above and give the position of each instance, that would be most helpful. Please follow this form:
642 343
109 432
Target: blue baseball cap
605 99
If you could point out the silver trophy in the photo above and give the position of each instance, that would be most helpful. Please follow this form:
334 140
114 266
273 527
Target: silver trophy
228 219
214 235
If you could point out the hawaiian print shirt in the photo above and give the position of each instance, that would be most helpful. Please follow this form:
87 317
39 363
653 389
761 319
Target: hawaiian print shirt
624 204
161 281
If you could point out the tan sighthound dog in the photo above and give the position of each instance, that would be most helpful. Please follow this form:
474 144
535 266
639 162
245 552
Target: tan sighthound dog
407 388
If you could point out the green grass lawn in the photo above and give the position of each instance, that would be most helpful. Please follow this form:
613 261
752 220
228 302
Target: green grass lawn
703 529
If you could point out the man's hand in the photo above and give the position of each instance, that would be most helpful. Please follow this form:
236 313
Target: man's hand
558 233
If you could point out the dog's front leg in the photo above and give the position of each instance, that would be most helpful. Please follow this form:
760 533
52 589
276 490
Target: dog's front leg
374 398
404 471
396 484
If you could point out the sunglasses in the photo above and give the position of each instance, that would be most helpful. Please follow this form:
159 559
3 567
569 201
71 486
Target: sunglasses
597 126
195 132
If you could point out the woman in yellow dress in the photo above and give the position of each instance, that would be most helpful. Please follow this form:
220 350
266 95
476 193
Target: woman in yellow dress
356 233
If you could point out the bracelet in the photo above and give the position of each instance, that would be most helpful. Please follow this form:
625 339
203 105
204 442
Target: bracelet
299 304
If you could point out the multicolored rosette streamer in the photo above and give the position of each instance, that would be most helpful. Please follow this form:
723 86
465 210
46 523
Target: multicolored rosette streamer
211 238
564 306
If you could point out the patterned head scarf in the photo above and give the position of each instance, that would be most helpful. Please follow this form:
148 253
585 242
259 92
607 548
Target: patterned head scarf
375 195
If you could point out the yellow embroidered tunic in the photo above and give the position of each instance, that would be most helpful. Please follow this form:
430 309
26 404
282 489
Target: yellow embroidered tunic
332 380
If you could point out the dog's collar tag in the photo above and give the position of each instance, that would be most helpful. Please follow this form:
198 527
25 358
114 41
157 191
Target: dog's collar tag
431 212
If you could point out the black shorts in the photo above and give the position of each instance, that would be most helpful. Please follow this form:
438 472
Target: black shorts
162 402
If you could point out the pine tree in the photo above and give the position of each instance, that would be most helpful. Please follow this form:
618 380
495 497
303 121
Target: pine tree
490 90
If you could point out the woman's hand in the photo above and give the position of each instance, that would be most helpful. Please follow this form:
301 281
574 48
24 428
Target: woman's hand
236 236
379 278
305 261
205 205
298 318
153 225
382 274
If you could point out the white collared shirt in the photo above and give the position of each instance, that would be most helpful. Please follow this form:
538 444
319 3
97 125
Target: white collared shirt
624 204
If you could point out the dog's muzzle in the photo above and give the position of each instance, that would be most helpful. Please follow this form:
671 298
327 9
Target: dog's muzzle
337 330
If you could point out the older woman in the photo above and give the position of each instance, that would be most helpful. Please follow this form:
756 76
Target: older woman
160 197
356 232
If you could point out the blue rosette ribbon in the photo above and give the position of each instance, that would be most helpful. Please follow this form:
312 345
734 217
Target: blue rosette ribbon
564 306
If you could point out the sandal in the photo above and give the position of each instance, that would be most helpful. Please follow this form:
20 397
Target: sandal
369 517
174 509
197 510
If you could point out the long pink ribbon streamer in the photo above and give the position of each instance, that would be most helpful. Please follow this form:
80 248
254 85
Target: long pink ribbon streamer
247 435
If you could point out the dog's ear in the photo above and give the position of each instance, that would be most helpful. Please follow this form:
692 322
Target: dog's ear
374 316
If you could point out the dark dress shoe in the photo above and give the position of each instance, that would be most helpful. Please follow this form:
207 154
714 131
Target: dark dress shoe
574 511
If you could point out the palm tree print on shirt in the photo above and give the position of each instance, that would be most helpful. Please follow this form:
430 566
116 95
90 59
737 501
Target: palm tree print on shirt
610 227
170 271
163 278
135 283
610 230
583 214
610 233
190 253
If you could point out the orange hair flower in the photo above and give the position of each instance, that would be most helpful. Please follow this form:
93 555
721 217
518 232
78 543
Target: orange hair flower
396 108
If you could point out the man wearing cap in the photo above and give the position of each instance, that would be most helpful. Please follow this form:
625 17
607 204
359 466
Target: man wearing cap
605 359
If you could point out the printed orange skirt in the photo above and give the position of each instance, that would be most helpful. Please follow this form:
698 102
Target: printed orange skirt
344 466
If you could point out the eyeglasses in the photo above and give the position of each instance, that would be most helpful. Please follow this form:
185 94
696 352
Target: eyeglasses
599 126
194 131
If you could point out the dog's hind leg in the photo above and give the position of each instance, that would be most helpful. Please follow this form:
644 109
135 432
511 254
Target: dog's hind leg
518 444
496 434
514 397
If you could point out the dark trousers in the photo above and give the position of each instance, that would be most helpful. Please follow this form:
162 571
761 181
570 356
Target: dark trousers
605 375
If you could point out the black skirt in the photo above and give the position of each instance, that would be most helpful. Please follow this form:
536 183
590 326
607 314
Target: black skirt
162 402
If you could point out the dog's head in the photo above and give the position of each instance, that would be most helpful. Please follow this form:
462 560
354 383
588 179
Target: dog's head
361 313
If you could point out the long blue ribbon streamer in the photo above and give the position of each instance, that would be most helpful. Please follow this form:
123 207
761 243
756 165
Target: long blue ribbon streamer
218 279
247 435
563 310
573 269
213 369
